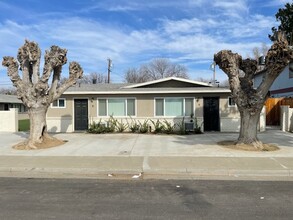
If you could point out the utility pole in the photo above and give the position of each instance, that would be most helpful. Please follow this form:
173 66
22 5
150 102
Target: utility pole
109 68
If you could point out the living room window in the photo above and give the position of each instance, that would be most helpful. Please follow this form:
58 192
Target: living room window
173 106
116 107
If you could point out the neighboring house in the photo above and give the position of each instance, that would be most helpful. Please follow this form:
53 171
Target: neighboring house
169 99
282 86
11 101
11 111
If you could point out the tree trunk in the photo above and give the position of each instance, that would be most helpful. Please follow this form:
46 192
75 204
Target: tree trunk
38 126
248 128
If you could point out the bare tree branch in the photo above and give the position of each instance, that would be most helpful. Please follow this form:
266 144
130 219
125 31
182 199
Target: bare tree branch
75 72
156 69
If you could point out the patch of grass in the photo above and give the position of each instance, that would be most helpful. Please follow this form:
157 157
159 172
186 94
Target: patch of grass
24 125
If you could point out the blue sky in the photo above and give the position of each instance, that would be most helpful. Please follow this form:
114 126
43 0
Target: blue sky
133 32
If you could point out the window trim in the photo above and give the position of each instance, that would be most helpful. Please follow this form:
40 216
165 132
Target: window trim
125 102
231 106
172 97
58 103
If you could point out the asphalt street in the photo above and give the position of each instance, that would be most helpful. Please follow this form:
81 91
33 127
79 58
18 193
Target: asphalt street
30 199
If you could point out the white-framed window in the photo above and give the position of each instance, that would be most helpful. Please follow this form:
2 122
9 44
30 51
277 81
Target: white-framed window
59 103
231 102
174 106
116 107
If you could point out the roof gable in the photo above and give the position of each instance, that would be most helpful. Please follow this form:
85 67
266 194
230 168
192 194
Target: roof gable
170 82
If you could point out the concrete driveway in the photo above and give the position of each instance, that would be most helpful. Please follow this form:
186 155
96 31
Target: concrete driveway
127 144
147 156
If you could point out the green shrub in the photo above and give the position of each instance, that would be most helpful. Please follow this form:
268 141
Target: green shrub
120 126
168 127
144 127
111 124
133 126
181 127
197 128
97 128
158 126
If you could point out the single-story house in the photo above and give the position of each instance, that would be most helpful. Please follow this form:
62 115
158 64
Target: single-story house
11 111
8 102
282 86
172 99
11 101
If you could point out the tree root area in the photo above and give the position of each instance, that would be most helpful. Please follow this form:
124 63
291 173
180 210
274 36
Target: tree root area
248 147
46 143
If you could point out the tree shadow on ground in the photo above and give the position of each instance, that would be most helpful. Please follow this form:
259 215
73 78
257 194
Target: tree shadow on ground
207 138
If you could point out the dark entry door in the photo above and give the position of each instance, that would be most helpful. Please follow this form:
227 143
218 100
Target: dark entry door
80 114
211 114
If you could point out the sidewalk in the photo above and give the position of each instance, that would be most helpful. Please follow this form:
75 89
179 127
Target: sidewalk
152 156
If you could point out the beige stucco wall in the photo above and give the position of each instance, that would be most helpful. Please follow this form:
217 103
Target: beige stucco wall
145 106
62 119
229 116
23 115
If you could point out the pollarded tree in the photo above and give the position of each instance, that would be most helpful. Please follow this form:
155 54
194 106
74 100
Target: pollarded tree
248 99
34 89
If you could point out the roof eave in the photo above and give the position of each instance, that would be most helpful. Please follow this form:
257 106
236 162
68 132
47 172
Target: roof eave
147 92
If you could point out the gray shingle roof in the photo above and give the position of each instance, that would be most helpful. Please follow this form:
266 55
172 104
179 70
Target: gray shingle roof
120 88
98 87
151 87
9 99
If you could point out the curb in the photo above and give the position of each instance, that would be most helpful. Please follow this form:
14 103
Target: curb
95 173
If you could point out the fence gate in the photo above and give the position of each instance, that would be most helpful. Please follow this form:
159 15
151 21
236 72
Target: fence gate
273 109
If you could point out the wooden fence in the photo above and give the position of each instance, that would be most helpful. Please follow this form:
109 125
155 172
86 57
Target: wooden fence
273 109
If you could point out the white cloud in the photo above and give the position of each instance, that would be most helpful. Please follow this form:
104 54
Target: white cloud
209 26
236 8
276 3
87 41
183 26
134 5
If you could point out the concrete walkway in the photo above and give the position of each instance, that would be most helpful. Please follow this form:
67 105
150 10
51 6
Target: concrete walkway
152 156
